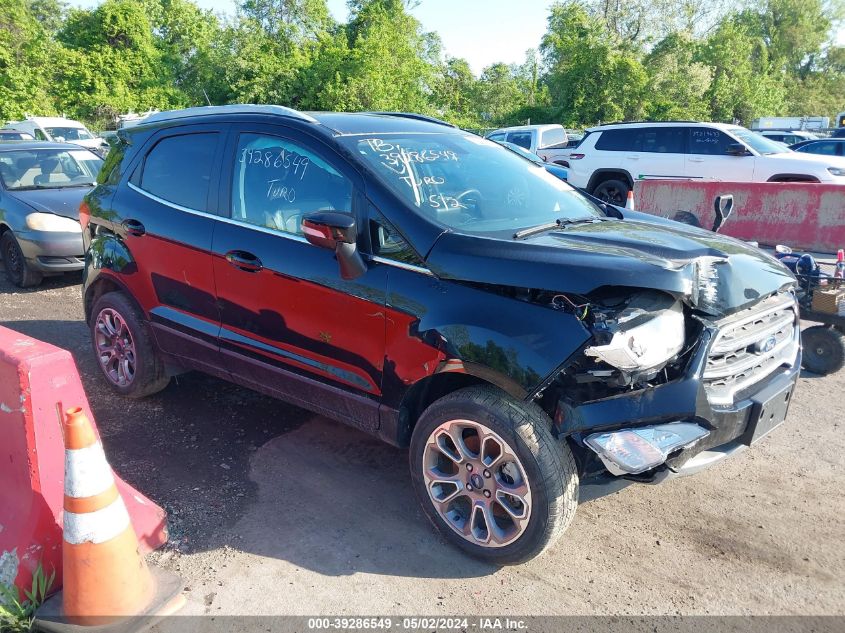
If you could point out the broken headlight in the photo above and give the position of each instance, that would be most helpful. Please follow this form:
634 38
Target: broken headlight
644 335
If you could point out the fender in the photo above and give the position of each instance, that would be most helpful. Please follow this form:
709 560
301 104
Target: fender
436 326
105 254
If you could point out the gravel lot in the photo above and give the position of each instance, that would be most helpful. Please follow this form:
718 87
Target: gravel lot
276 511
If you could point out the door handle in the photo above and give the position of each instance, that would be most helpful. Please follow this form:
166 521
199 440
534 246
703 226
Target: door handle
244 261
696 160
133 227
633 157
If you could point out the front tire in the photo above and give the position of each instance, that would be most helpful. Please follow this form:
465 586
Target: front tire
490 475
124 349
613 191
17 270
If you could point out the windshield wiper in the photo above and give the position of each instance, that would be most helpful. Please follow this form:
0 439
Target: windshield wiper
531 230
66 186
548 226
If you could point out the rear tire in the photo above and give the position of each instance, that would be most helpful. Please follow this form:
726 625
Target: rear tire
505 489
124 349
613 190
824 349
17 270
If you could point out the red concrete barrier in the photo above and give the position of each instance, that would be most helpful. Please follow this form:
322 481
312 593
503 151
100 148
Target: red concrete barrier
805 216
36 381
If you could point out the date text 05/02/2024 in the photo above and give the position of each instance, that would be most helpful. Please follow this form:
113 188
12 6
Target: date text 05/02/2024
416 623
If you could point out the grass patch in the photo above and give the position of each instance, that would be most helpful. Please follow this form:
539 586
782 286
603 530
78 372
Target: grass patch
17 614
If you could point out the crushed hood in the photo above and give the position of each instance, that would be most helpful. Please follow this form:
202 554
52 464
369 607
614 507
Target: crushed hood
713 273
64 202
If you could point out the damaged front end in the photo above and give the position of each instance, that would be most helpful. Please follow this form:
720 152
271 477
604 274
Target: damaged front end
684 326
670 384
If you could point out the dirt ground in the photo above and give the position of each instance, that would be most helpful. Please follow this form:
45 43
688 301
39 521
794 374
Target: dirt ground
274 510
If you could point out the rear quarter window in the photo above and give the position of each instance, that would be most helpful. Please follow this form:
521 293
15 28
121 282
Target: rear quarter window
615 140
178 169
113 166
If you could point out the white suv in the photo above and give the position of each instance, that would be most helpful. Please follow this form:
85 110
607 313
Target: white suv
611 157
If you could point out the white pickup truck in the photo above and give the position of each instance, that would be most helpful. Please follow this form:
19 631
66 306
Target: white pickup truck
549 141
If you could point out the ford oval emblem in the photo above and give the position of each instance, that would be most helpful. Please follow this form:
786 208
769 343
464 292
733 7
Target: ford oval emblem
768 345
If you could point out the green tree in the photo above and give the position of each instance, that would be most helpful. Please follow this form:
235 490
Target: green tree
499 93
185 36
677 83
588 76
110 64
267 56
455 93
50 14
744 86
25 50
793 31
389 63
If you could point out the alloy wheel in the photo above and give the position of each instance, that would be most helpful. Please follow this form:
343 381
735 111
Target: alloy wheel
115 347
477 483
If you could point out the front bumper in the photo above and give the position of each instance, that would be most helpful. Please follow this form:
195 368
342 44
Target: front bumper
685 399
52 251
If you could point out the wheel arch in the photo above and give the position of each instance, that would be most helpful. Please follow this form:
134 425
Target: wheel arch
600 175
103 284
429 389
792 178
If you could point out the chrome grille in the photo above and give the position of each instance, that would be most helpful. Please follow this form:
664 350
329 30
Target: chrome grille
751 345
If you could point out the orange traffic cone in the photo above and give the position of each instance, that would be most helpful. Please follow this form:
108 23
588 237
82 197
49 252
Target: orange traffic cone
629 203
106 580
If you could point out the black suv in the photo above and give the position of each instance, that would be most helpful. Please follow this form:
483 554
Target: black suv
530 344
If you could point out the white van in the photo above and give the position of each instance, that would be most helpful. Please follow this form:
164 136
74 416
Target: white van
57 129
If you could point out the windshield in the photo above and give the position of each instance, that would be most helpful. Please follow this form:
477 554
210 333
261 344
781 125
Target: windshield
470 184
70 133
48 168
757 142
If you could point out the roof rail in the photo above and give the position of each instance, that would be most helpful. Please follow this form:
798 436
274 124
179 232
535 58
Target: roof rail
640 122
172 115
413 115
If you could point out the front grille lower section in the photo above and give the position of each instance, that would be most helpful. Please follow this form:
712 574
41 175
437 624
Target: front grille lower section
750 345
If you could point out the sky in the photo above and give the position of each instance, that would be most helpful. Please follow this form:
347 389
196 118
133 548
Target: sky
481 31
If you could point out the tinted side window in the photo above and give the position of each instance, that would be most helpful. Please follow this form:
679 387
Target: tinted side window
824 147
523 139
616 140
276 181
709 141
497 137
178 169
39 135
660 140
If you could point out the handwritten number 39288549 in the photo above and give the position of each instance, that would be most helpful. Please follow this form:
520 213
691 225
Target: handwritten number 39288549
282 159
